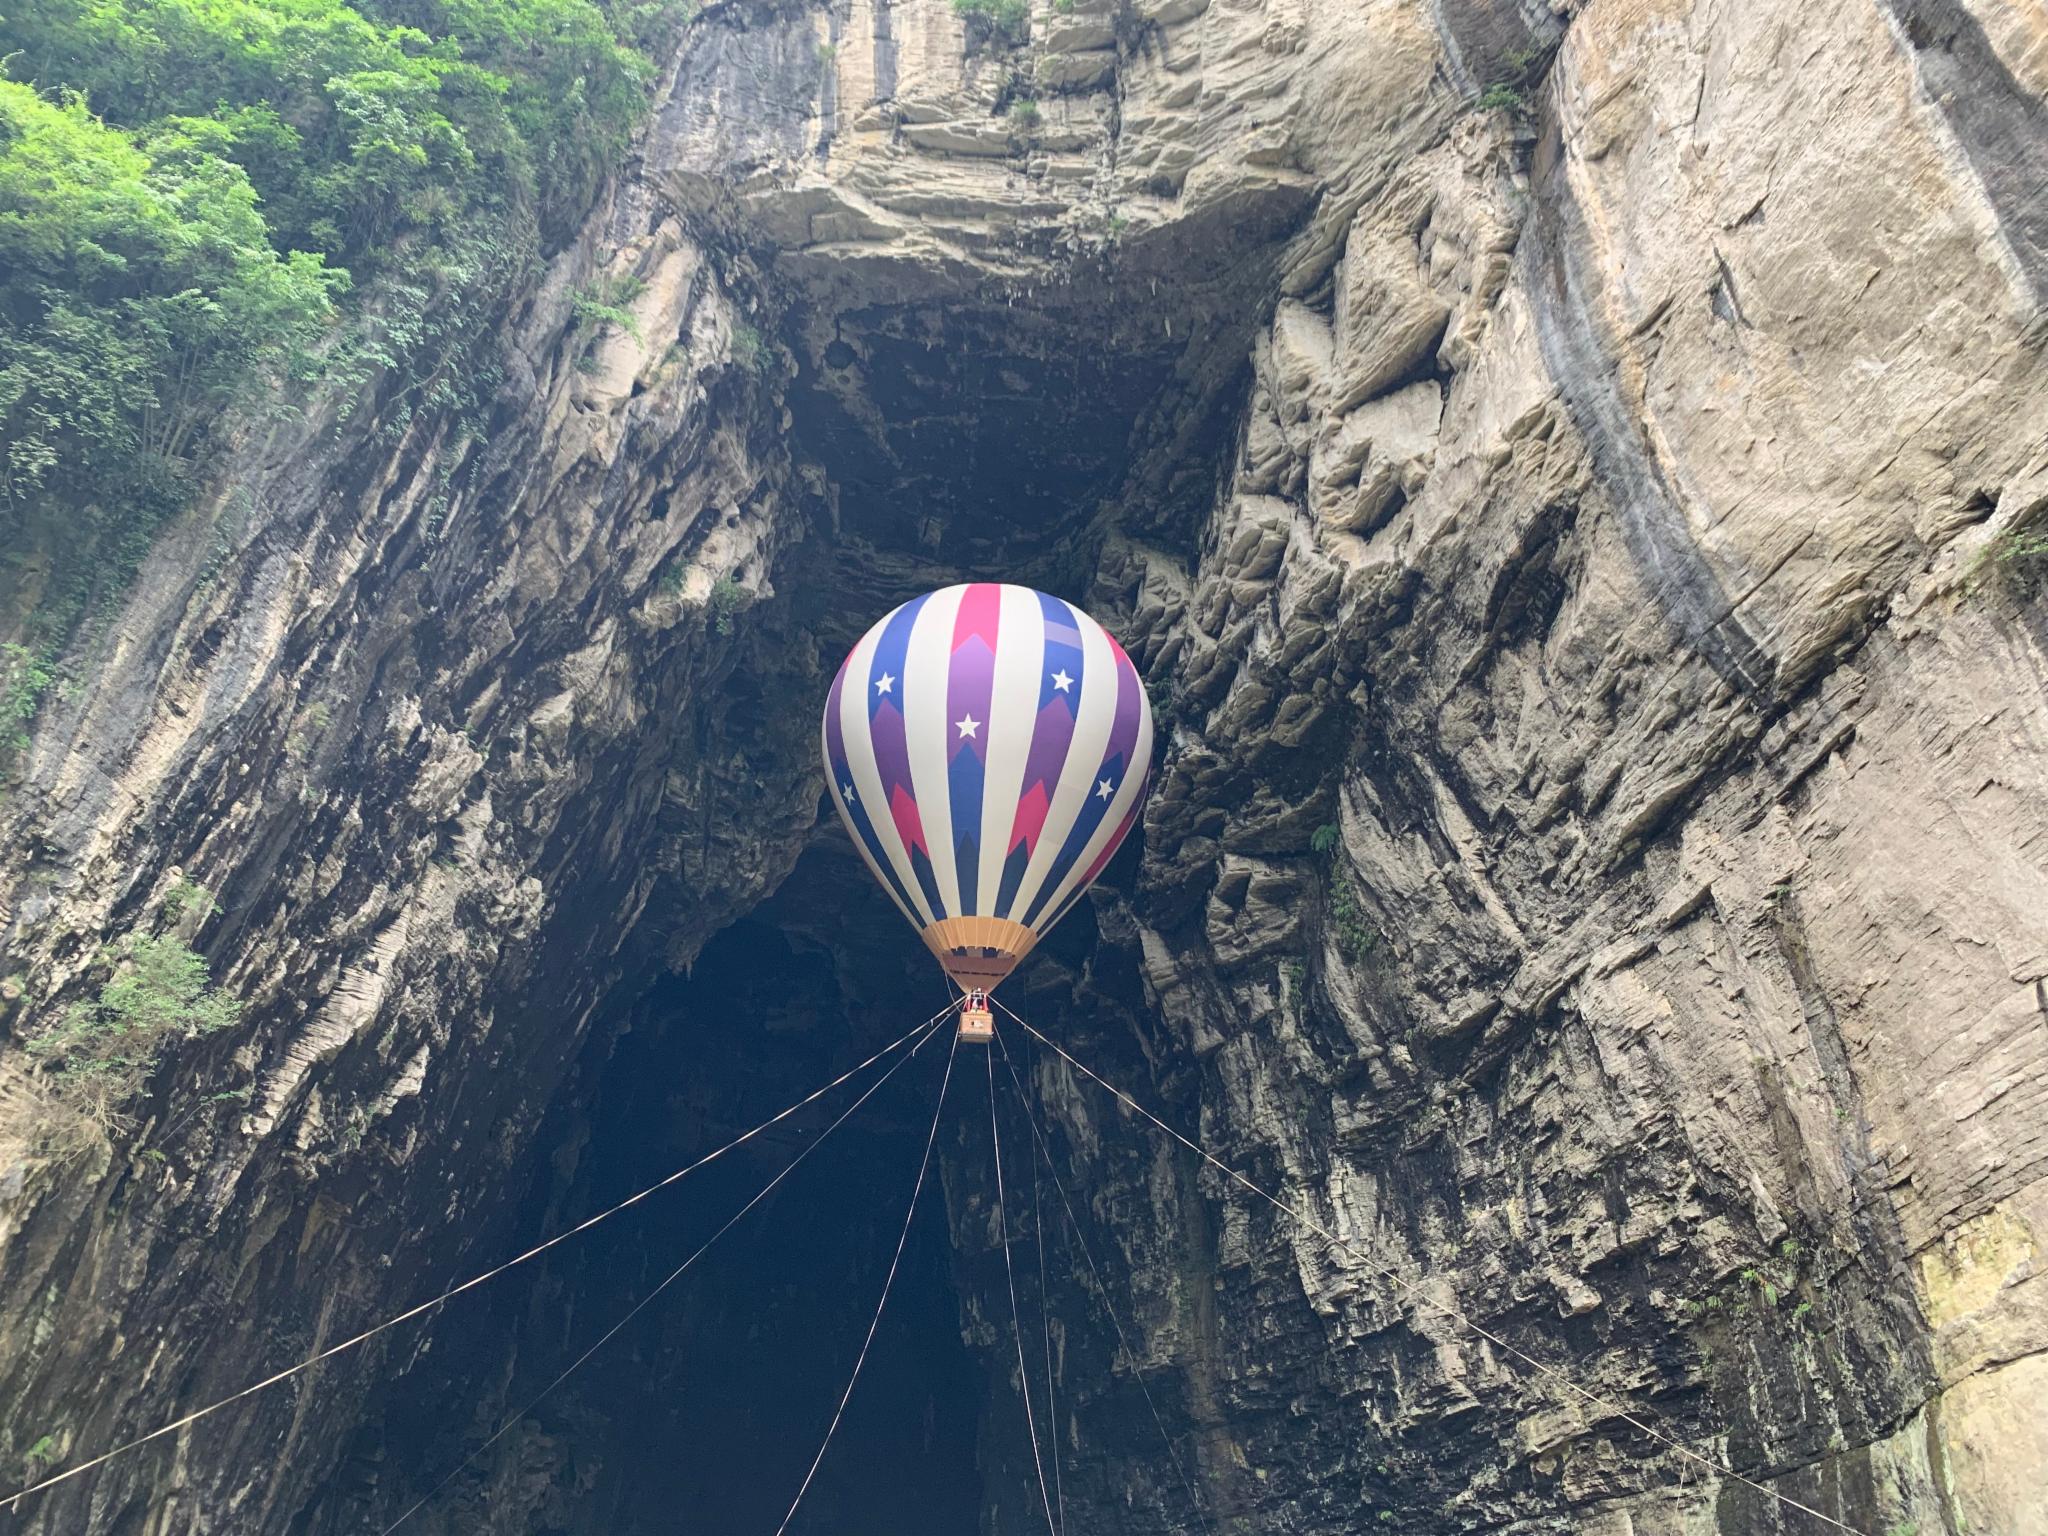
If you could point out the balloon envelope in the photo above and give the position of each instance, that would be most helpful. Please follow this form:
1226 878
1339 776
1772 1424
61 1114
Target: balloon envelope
989 746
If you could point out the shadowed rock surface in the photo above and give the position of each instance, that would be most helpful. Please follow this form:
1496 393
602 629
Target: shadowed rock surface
1579 554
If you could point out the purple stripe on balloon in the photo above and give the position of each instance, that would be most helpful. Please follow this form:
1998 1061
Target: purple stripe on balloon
970 684
1052 734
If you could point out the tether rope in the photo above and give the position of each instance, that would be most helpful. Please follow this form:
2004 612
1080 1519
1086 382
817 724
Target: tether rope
1102 1290
1052 1400
1016 1317
673 1275
903 1237
1415 1292
12 1500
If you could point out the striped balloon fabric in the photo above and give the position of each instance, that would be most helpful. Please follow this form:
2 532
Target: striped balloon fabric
989 747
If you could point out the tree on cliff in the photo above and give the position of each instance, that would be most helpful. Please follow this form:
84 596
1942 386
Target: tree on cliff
205 202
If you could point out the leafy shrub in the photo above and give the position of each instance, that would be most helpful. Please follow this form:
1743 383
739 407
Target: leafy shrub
726 597
604 303
748 349
188 896
23 677
1356 937
1502 95
1024 113
1007 18
2014 553
99 1054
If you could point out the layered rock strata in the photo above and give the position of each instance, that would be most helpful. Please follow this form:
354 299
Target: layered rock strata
1587 550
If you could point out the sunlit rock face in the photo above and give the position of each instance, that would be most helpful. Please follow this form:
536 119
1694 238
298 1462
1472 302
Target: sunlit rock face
1582 551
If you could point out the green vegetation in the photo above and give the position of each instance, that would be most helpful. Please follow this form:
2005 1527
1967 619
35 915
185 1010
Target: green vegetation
188 896
2018 554
208 208
1356 937
604 303
726 597
141 298
38 1456
1024 114
1769 1281
1525 66
100 1054
748 349
1005 18
312 720
23 677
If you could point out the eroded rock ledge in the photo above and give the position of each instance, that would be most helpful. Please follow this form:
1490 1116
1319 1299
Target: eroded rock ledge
1598 854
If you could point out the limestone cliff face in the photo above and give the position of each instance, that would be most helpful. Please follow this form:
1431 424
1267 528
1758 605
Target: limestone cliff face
1597 862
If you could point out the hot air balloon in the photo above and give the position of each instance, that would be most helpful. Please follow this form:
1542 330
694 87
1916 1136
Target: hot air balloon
988 747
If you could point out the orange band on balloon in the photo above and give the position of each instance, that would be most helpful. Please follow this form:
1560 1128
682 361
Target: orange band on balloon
979 951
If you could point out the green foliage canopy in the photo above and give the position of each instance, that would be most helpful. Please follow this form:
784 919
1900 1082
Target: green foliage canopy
194 192
140 293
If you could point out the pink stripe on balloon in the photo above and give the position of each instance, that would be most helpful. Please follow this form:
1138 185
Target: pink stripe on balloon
909 826
971 678
1031 814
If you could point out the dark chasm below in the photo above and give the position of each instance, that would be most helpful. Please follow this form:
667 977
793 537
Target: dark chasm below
704 1411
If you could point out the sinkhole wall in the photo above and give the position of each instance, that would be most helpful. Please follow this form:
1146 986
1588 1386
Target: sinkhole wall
1586 551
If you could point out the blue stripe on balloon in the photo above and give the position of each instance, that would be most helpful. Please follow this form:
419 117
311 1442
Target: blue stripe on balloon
890 652
1095 806
964 776
1130 821
849 800
892 756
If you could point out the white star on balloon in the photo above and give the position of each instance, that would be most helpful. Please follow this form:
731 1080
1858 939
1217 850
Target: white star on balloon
849 794
1061 682
1105 789
884 683
968 727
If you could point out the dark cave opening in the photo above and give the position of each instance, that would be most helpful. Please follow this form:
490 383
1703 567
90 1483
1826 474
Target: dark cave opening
704 1411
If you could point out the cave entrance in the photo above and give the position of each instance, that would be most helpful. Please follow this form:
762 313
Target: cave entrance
703 1414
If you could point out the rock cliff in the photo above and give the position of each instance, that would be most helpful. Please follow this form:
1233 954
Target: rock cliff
1574 476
